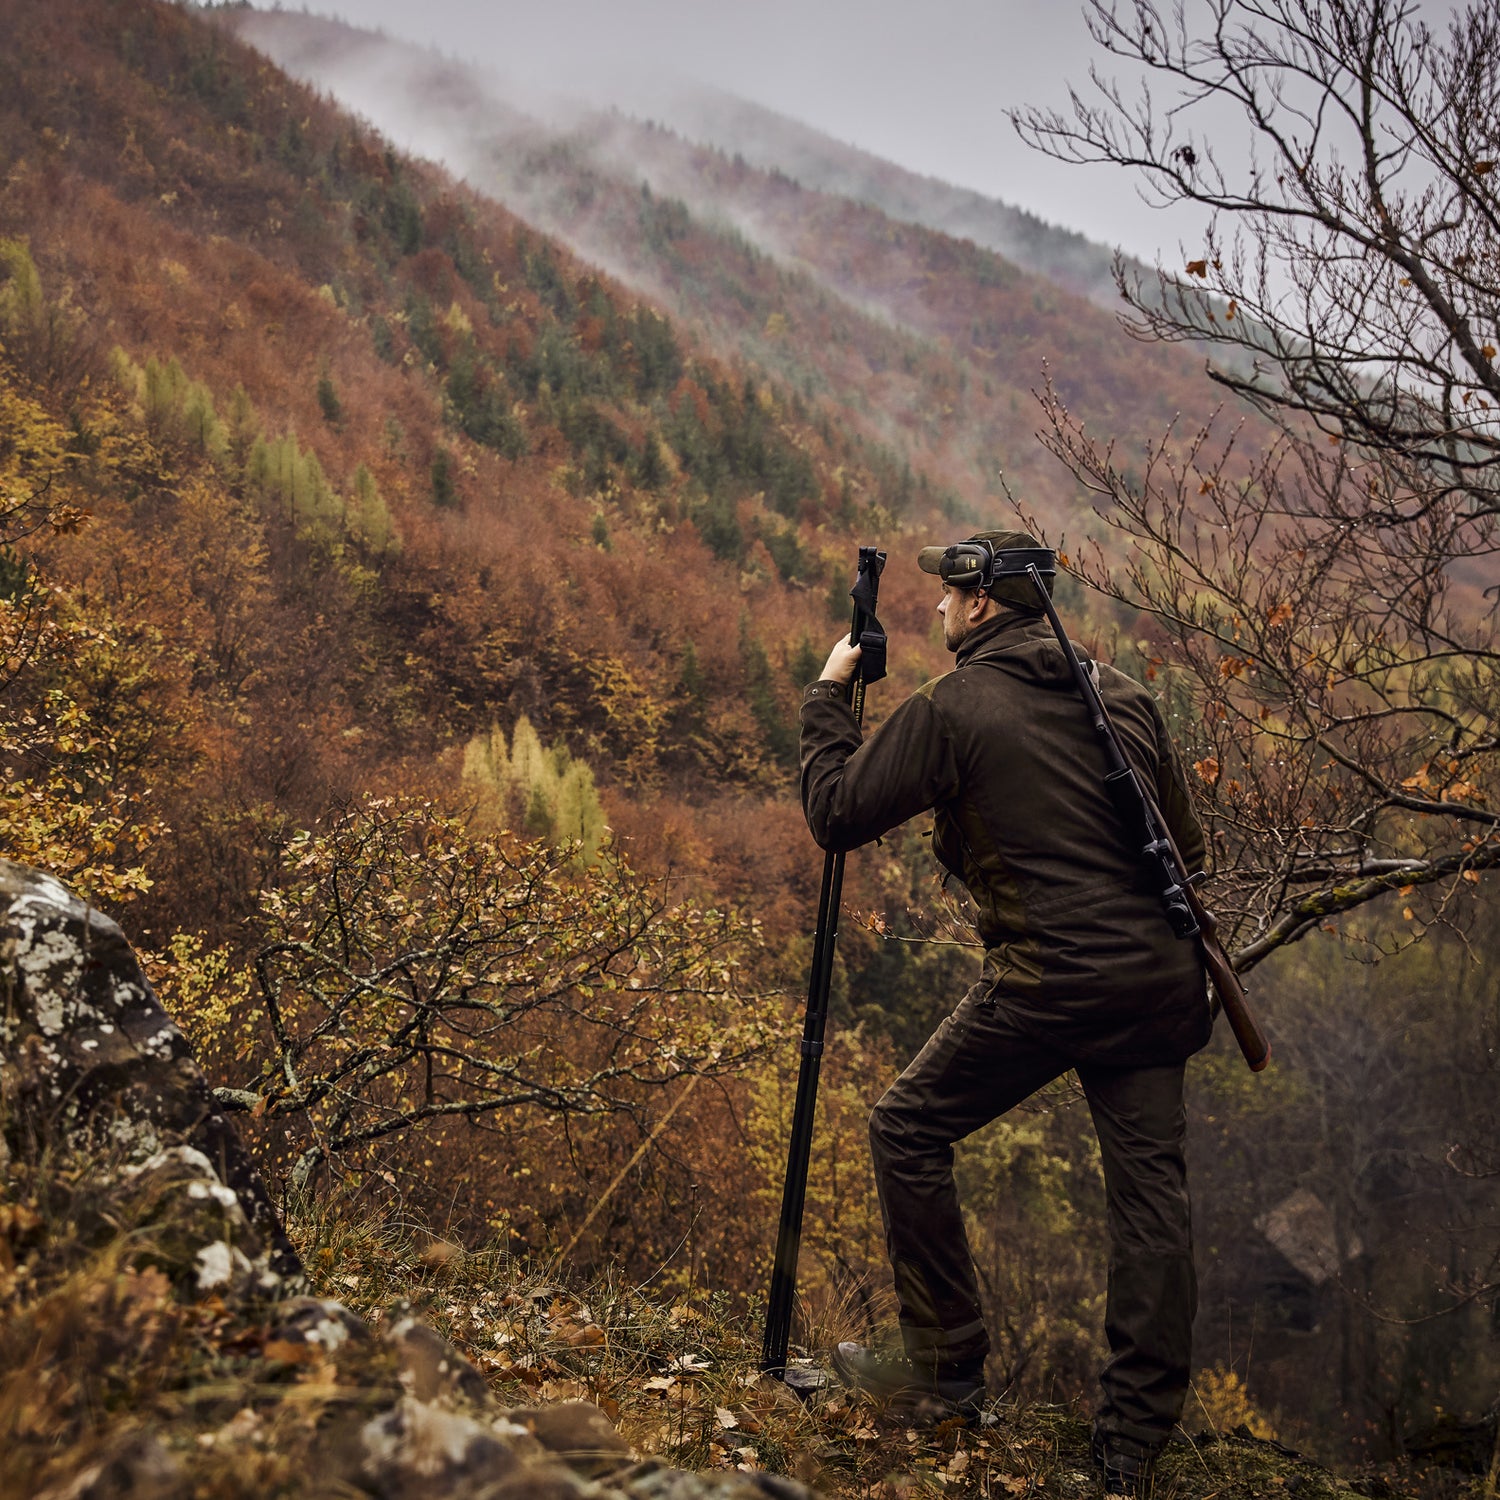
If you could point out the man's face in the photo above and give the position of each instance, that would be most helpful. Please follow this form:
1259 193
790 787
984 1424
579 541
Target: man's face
956 606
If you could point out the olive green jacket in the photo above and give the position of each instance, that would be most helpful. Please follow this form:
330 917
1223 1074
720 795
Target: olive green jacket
1003 750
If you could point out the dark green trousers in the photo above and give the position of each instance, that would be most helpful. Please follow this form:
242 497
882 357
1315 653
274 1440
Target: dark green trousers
976 1066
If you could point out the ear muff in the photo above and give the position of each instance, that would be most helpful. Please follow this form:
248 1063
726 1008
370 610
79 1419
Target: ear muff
976 565
966 565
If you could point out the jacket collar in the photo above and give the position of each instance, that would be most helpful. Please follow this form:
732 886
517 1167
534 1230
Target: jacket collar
1009 628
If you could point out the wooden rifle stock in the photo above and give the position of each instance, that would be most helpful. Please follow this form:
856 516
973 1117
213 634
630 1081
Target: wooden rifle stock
1232 998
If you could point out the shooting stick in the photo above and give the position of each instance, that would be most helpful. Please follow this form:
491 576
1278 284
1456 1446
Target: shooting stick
865 632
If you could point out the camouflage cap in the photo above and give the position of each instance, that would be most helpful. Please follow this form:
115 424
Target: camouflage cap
1013 591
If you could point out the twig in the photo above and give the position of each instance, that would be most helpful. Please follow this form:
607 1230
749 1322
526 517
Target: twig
624 1171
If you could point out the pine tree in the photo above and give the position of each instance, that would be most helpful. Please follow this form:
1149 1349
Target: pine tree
328 400
369 518
441 474
553 793
578 814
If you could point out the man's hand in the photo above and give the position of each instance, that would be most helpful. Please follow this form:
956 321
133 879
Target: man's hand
842 661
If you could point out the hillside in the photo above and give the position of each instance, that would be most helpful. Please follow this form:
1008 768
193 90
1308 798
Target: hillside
363 68
315 288
923 339
775 143
331 481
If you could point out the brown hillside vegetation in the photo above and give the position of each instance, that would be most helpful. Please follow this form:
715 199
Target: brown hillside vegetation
924 339
327 478
576 501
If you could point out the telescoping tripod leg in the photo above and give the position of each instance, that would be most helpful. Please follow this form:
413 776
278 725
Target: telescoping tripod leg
799 1151
864 631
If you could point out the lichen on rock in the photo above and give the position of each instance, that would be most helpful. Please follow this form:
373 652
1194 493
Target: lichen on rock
88 1058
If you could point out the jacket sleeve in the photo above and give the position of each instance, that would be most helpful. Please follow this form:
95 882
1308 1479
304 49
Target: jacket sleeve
854 791
1175 801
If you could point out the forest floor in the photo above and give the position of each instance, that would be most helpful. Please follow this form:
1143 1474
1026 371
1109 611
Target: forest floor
101 1351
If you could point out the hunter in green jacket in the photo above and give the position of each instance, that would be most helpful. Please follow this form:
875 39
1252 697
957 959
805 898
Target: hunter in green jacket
1081 970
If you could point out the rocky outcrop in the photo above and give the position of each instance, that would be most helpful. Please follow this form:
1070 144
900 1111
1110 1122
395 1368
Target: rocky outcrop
89 1059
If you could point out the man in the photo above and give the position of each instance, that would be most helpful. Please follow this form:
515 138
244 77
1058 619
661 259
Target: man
1081 971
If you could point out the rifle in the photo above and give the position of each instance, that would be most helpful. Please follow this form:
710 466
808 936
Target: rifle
1149 832
865 632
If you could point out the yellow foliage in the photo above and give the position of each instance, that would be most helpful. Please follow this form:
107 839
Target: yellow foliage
457 321
33 448
63 808
634 716
203 989
1222 1399
554 792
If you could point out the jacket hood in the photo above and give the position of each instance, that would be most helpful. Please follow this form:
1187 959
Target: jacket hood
1024 645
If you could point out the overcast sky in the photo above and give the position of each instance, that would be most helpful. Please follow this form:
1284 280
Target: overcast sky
924 83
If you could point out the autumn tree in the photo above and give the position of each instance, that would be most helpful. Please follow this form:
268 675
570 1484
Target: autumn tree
1326 606
71 741
413 974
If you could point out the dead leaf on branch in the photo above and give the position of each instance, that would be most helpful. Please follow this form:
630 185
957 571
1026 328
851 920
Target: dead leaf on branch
67 519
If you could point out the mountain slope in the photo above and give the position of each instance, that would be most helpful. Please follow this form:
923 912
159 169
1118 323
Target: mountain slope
775 142
376 466
928 342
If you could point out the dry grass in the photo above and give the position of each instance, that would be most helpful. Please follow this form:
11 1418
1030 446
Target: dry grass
100 1356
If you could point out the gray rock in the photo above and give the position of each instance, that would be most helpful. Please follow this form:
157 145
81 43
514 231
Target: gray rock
431 1369
317 1323
200 1234
89 1059
421 1451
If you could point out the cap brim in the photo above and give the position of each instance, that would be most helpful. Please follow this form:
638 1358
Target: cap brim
930 559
